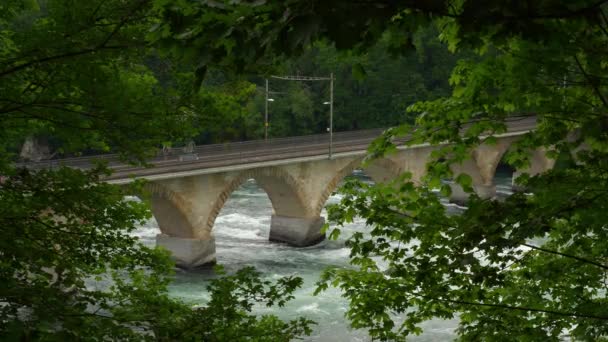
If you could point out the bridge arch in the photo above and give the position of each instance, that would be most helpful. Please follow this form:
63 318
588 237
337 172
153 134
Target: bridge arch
333 184
284 191
538 163
481 167
383 170
171 211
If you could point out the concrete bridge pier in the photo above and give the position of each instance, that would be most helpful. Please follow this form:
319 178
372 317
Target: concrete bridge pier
485 191
539 163
481 167
188 252
296 231
483 186
460 197
181 210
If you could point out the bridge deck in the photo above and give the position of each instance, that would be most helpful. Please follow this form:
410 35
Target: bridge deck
243 153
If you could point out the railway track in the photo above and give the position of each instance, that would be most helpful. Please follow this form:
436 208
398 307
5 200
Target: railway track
216 155
240 153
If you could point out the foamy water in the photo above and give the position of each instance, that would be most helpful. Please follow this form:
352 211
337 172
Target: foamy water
241 232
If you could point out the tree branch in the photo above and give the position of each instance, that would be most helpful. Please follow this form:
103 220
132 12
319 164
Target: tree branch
61 56
587 261
517 308
591 83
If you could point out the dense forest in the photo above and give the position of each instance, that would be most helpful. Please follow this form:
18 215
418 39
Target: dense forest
131 76
372 90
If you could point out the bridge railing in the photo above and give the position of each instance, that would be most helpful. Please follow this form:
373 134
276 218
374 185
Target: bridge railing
210 150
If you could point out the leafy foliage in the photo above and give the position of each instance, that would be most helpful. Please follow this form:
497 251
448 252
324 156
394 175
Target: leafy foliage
228 315
82 75
370 91
529 268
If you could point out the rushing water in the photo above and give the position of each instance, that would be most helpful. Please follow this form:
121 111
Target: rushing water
241 232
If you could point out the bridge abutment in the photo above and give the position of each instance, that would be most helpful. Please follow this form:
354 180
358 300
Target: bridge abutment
296 231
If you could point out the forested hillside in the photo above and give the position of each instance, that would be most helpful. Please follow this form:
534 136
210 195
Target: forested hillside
372 90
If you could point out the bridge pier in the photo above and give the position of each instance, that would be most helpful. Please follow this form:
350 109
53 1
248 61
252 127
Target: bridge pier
188 253
514 184
481 167
296 231
485 191
460 197
539 163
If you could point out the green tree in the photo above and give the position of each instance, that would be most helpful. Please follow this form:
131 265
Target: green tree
529 268
83 74
371 90
394 78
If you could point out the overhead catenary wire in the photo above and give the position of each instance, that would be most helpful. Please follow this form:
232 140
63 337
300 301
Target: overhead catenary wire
302 78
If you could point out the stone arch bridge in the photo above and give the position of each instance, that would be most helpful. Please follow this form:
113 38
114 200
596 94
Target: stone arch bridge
188 190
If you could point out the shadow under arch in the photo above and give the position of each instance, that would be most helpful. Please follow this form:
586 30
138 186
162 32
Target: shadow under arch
503 175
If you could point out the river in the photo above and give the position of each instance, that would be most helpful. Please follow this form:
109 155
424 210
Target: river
241 233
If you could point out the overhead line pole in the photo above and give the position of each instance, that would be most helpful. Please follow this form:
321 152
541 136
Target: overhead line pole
331 113
331 99
266 113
